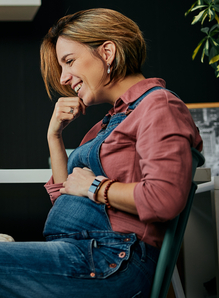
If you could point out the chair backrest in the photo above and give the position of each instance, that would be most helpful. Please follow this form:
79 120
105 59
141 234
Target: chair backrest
173 239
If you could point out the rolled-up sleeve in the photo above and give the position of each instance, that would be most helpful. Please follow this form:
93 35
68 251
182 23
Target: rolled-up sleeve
53 189
164 139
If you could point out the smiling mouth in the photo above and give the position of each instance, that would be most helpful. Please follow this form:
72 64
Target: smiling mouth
78 87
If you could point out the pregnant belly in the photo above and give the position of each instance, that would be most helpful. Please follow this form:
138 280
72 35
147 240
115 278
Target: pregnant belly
72 214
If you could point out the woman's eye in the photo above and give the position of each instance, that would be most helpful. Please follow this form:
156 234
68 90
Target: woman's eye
70 61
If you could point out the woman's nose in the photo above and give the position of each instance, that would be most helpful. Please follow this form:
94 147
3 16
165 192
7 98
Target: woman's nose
65 79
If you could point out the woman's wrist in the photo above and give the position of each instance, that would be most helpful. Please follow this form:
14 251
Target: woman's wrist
102 195
51 136
117 195
105 194
95 186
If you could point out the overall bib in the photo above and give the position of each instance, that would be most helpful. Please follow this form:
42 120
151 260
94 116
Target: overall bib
75 218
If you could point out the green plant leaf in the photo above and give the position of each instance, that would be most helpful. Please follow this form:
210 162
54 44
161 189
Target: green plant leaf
215 7
214 59
214 27
188 11
205 30
207 9
198 17
204 17
207 47
211 14
198 48
198 7
205 50
216 44
203 54
213 52
217 72
216 17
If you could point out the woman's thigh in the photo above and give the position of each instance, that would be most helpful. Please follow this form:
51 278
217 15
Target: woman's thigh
44 269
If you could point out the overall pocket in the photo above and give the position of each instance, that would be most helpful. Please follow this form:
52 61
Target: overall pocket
100 254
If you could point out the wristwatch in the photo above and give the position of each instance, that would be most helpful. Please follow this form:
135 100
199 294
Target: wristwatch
95 186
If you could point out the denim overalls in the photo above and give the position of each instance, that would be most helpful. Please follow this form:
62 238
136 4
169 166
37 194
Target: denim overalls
82 257
75 218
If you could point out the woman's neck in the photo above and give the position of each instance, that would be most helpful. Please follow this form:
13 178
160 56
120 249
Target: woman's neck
117 89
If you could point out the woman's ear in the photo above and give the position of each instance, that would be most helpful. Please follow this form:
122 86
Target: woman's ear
108 51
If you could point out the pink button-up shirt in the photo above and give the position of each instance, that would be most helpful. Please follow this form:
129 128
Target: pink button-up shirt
152 147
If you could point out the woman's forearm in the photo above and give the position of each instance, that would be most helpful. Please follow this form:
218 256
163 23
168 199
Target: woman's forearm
58 159
120 196
66 110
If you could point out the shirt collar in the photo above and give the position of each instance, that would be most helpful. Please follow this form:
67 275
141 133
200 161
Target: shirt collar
133 93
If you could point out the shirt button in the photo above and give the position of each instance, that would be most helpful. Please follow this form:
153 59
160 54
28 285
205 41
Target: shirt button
113 265
127 239
92 274
122 254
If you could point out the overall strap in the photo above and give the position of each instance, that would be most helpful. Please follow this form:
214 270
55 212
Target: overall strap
133 105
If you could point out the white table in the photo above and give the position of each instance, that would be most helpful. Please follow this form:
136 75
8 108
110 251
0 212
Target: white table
25 176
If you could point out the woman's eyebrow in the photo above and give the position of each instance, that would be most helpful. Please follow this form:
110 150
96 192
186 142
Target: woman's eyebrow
64 57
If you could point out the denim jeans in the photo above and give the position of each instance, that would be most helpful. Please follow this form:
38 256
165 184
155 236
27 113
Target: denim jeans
82 256
46 270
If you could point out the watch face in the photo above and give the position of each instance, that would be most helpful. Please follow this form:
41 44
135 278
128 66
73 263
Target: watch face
94 186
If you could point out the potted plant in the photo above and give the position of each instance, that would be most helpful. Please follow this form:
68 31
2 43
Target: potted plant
207 10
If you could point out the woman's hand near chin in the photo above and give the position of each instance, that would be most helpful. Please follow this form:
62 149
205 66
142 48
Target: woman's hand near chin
66 110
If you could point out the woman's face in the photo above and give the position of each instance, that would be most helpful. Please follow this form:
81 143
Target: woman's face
84 72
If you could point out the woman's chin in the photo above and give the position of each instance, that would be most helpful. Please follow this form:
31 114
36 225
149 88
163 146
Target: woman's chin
88 101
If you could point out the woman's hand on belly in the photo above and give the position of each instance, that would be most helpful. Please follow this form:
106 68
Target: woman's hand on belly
120 195
78 183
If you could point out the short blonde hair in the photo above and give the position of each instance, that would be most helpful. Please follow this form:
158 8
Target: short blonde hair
93 27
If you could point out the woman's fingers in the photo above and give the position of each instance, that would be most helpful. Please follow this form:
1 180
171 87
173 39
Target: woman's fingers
66 110
69 108
78 182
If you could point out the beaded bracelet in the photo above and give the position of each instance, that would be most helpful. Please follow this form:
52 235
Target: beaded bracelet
106 193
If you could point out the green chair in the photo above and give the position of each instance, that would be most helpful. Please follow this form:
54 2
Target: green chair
173 239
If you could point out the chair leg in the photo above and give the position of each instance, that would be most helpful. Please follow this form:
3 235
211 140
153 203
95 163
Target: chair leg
177 286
